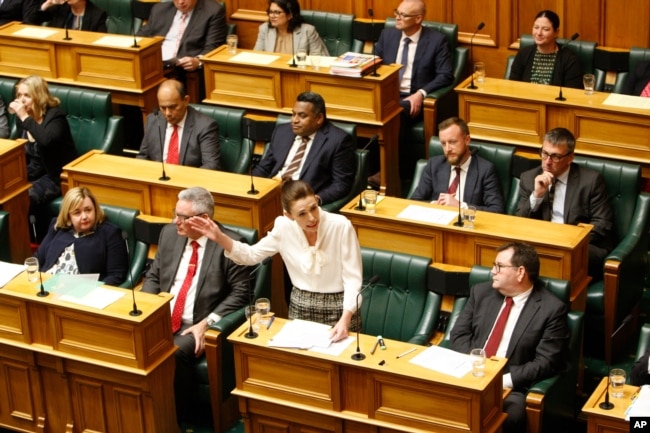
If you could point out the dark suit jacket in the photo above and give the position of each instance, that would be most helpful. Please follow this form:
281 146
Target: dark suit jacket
538 346
482 188
104 252
432 68
330 164
637 79
19 10
586 201
222 286
94 19
206 30
567 71
199 146
639 374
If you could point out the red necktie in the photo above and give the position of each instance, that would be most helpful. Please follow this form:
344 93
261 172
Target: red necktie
454 184
179 306
172 149
646 91
495 338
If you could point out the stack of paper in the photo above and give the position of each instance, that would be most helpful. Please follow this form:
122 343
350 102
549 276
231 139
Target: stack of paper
302 334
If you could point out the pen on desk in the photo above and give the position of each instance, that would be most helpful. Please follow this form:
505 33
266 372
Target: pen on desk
372 352
407 352
270 322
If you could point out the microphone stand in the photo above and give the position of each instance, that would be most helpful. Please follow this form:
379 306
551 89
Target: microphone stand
67 36
459 223
372 30
42 293
135 312
293 48
471 55
164 176
252 334
358 356
361 206
607 405
252 191
135 42
560 97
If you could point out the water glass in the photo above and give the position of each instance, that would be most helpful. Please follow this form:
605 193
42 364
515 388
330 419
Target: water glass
250 310
589 81
232 41
479 70
616 382
469 216
315 62
370 197
477 358
31 266
301 58
263 310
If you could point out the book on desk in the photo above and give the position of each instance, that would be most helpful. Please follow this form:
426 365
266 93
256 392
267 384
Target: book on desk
353 64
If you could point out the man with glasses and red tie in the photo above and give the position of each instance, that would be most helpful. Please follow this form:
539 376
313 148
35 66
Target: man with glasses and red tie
206 286
427 66
564 192
515 317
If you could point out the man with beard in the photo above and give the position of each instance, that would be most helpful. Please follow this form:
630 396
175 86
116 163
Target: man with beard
479 184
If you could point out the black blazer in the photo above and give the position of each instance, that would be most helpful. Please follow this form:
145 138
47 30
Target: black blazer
637 79
19 10
94 19
567 70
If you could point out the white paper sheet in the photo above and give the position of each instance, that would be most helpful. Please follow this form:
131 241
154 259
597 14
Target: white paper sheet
100 298
302 334
116 41
255 58
8 272
336 348
427 214
627 101
35 32
641 404
444 361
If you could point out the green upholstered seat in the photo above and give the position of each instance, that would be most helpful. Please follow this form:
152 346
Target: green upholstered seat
636 54
5 249
7 92
442 103
235 148
120 17
334 29
498 154
399 306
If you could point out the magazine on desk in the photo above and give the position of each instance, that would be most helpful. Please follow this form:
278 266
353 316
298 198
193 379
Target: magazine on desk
353 64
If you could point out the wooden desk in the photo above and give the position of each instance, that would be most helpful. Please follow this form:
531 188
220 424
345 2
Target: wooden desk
65 367
370 102
300 390
562 248
132 75
608 421
520 113
14 196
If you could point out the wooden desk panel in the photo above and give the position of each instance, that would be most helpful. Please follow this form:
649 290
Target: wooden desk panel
370 102
562 249
608 421
14 196
307 390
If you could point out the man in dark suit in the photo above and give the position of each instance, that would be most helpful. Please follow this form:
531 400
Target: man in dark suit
19 10
427 67
534 337
564 192
638 80
479 184
326 158
197 136
640 374
217 286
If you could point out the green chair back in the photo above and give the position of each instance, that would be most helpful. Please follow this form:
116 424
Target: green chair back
120 18
7 92
333 28
5 250
636 54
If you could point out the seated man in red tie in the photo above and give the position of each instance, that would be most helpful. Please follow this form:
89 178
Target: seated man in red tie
205 284
179 134
515 317
479 184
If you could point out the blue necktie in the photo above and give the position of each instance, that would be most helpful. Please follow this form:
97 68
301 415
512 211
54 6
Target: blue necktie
405 57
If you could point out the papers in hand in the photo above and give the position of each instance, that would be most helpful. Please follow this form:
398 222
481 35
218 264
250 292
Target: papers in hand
8 272
641 404
444 361
302 334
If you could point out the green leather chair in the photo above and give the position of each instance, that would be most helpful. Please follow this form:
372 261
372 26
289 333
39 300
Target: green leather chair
550 403
216 372
5 250
7 92
235 147
121 19
399 306
334 29
636 54
498 154
442 103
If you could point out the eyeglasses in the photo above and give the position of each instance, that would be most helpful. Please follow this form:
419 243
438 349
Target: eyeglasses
497 266
402 15
554 156
275 13
182 218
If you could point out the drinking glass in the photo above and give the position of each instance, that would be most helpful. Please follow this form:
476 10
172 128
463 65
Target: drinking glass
469 215
589 81
479 69
301 58
232 41
251 310
616 382
315 62
263 309
31 266
477 357
370 197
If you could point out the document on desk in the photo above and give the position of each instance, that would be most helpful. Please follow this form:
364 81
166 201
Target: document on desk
444 361
35 32
641 404
82 289
627 101
8 272
302 334
254 58
117 41
427 214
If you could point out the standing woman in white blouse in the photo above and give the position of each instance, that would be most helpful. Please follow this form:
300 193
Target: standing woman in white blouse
320 251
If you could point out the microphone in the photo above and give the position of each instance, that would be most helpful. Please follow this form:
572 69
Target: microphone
372 30
42 293
293 46
135 311
32 221
164 176
251 333
361 206
67 36
471 57
573 38
358 356
252 191
135 42
607 405
459 223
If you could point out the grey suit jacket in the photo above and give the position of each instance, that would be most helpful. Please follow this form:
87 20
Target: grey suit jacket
538 348
199 146
481 189
586 201
206 30
305 38
222 287
330 164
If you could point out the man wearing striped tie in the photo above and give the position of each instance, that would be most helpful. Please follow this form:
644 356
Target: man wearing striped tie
311 149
